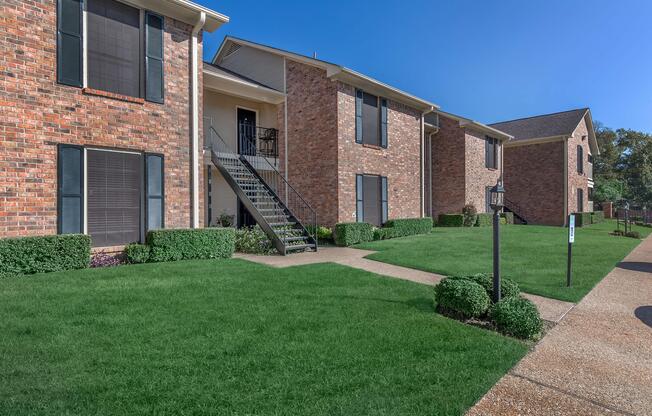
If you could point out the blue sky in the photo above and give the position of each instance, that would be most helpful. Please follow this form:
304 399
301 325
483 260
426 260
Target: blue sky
487 60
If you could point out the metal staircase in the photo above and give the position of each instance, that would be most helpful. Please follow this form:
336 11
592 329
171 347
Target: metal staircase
516 209
276 207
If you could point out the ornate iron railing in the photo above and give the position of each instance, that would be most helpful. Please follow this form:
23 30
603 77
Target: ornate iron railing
265 140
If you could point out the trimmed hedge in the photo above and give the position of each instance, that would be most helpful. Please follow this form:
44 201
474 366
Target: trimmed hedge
461 297
450 220
508 287
597 217
485 219
582 219
137 253
384 233
518 317
185 244
409 226
350 233
253 240
509 217
52 253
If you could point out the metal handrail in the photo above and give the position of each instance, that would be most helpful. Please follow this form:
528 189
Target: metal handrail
264 138
515 208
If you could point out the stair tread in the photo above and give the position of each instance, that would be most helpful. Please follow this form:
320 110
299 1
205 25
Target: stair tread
299 246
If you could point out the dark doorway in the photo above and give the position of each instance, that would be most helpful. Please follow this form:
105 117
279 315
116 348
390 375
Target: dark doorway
245 219
371 201
580 200
246 132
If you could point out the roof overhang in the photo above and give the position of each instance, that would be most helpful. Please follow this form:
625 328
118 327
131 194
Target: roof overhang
538 140
225 83
338 72
183 10
593 141
475 125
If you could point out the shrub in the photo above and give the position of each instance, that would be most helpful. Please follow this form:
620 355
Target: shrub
508 287
485 219
350 233
582 219
253 241
509 217
469 215
104 259
597 217
182 244
461 297
518 317
450 220
226 220
633 234
137 253
409 226
323 233
52 253
384 233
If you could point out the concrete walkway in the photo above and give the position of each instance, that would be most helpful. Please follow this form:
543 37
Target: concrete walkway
597 361
550 309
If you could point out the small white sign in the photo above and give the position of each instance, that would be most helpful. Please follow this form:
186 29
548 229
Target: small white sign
571 229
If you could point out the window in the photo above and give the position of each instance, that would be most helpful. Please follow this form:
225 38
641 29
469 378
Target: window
371 199
580 159
122 198
580 200
590 158
491 153
124 53
590 194
371 119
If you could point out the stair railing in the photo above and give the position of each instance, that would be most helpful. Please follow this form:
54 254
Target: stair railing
516 209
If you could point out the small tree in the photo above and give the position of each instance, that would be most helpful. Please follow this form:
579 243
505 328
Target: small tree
470 215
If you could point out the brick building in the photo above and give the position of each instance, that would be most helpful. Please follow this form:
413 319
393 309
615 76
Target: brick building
549 165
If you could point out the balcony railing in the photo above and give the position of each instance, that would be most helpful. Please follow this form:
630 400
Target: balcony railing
265 140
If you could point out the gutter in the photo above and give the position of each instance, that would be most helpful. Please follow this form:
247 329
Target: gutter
194 110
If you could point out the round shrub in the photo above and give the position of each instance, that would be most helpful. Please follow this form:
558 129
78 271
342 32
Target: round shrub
508 287
518 317
470 215
137 253
462 297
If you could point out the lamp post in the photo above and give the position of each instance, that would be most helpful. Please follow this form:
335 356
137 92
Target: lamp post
496 202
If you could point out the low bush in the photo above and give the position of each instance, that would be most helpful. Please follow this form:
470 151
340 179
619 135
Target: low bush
137 253
324 234
52 253
582 219
469 215
508 287
226 220
450 220
409 226
597 217
485 219
518 317
350 233
252 240
508 216
633 234
384 233
184 244
461 297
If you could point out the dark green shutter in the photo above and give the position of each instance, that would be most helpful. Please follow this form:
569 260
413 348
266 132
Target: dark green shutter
155 192
69 42
383 122
154 80
358 116
359 206
70 189
383 198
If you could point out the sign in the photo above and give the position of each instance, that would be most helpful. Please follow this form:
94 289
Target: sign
571 229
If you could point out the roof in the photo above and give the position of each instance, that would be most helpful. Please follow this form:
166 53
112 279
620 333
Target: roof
335 71
222 79
538 127
185 11
467 122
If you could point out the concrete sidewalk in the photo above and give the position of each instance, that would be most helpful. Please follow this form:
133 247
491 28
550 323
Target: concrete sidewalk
597 361
550 309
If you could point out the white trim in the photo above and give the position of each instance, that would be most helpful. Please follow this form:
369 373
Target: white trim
215 80
285 123
100 149
194 109
525 142
85 202
422 166
85 44
237 127
467 122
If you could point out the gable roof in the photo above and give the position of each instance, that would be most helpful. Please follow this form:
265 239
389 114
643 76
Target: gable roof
333 71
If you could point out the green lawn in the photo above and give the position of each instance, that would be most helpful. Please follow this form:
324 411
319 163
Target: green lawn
534 256
234 338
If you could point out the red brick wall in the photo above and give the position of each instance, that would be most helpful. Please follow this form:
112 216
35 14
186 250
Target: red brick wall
448 168
578 180
312 138
37 113
400 162
534 179
478 176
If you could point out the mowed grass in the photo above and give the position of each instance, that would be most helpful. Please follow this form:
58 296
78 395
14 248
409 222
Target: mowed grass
534 256
235 338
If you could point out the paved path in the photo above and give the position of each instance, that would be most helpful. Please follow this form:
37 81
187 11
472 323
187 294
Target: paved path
550 309
597 361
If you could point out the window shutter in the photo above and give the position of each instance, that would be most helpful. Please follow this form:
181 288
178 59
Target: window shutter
487 152
155 192
580 159
70 189
359 205
154 86
358 116
383 122
69 42
383 199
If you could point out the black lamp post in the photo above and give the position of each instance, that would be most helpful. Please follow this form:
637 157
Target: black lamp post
496 202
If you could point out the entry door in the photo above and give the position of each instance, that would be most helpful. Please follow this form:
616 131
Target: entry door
246 132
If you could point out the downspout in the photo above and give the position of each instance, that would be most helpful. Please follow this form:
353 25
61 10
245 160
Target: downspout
194 110
422 173
430 170
565 144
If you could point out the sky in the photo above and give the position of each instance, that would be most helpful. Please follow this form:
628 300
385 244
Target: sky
488 60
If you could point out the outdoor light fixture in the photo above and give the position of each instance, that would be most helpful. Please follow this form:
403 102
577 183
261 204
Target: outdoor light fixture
497 202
